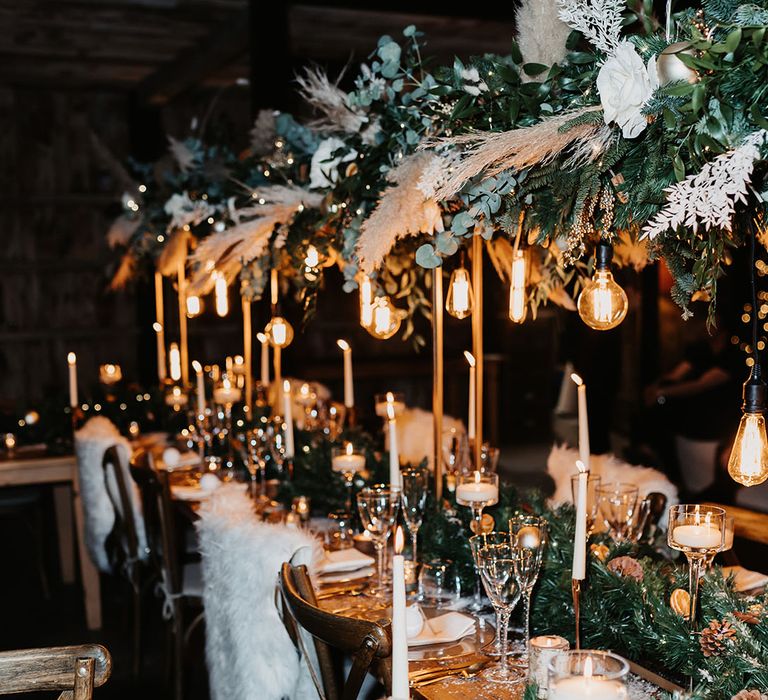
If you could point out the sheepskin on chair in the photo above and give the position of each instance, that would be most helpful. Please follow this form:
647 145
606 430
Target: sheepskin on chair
415 436
248 651
91 442
561 465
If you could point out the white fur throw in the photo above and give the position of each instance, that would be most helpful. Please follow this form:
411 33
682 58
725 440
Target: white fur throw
415 436
561 465
91 442
248 651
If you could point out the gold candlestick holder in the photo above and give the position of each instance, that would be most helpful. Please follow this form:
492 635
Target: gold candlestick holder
576 592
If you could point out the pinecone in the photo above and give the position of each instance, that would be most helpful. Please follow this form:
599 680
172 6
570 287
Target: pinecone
714 638
626 566
749 695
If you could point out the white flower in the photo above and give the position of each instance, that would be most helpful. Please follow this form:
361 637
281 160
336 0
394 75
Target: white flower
324 170
472 82
625 84
184 211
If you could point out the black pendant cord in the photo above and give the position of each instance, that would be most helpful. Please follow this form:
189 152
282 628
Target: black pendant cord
753 288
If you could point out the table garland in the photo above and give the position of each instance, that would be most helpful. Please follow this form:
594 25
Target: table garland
394 176
628 604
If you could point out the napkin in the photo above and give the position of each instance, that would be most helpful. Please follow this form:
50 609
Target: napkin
449 627
173 459
744 579
343 560
349 576
183 492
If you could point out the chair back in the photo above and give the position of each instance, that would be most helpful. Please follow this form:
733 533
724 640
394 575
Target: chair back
75 670
122 544
748 524
368 643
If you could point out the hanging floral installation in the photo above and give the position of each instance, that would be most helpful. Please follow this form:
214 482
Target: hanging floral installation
611 130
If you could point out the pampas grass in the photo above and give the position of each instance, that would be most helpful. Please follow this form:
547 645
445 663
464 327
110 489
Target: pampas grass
173 254
402 211
124 273
330 101
492 152
121 230
541 35
228 251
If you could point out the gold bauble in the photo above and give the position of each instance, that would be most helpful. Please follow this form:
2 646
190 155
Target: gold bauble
680 602
600 551
529 537
487 523
671 69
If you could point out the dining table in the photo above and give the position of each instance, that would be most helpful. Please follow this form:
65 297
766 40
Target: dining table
35 466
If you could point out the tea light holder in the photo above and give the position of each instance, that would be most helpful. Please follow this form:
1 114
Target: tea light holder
542 651
597 675
302 506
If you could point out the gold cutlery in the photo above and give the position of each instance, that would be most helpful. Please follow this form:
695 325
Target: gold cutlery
438 674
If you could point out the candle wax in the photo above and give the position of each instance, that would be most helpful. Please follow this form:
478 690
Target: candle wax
348 463
587 687
698 536
477 493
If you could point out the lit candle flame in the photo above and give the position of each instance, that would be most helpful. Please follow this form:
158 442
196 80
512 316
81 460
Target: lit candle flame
286 386
343 344
478 477
71 358
577 379
157 327
399 540
390 405
262 337
349 449
470 358
197 367
193 305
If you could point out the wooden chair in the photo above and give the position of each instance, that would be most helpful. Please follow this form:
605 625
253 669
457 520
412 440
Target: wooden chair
122 544
180 584
748 524
75 671
368 643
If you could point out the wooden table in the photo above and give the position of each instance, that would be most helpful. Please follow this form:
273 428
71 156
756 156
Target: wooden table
39 467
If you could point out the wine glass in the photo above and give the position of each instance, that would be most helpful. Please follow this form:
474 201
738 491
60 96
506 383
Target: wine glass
277 430
415 482
593 484
257 448
617 502
529 533
698 531
378 507
477 491
435 583
489 458
499 561
455 455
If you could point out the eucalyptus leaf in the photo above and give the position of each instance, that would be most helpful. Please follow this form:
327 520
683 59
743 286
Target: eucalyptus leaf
446 243
426 257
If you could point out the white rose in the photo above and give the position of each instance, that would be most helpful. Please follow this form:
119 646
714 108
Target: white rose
625 85
323 171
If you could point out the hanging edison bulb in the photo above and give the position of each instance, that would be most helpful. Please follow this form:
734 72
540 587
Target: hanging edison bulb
194 306
366 302
279 332
603 303
517 299
311 263
385 321
460 297
220 294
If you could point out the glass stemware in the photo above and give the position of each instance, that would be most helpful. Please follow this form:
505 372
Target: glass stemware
378 506
277 430
699 532
489 459
476 491
499 563
529 533
415 482
257 449
455 455
345 461
593 484
617 503
730 524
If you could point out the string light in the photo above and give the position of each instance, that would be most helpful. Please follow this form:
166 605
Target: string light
517 305
748 463
602 303
460 299
220 294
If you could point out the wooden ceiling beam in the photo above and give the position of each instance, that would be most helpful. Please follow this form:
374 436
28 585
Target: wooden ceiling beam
224 45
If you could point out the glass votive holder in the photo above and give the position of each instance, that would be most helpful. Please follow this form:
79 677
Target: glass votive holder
411 570
542 650
9 442
302 506
588 674
437 584
340 530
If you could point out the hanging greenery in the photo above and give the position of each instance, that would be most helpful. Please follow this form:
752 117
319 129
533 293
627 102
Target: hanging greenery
628 135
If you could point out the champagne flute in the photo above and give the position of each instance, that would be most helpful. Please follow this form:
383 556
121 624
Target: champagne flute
498 563
415 482
378 507
529 533
617 503
257 447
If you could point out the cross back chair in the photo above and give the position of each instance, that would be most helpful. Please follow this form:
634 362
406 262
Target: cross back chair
74 671
180 583
368 643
